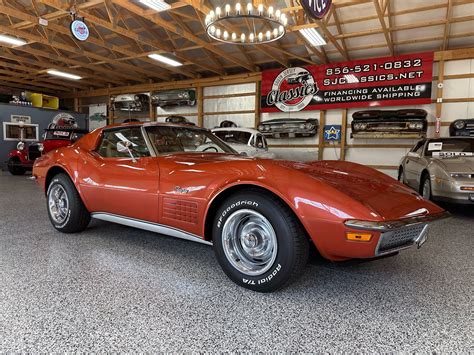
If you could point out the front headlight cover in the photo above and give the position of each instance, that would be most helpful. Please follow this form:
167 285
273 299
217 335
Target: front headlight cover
20 146
459 124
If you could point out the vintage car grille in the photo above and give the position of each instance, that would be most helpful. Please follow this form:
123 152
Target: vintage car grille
400 238
470 128
33 152
387 126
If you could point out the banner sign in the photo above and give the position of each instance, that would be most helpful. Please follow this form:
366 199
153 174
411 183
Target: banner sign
390 81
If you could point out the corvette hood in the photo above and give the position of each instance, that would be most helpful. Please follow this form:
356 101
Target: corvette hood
456 165
384 196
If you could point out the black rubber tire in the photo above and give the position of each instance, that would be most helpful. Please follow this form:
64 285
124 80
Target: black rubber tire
293 247
401 175
78 217
13 167
426 177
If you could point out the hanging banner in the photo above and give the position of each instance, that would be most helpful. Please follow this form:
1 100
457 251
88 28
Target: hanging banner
390 81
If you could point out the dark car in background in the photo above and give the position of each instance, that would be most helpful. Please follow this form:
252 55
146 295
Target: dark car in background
131 102
462 128
411 123
21 159
179 120
174 98
289 127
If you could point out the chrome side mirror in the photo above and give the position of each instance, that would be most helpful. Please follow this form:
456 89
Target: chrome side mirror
124 147
413 155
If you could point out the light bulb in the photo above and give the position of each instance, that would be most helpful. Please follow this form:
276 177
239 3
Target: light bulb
208 19
270 11
212 29
242 38
218 11
260 9
211 14
218 33
234 36
227 9
277 14
268 35
251 37
226 35
237 8
249 8
260 37
285 21
281 29
275 32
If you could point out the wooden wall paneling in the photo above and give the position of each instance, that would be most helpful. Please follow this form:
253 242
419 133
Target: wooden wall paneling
322 122
200 103
343 134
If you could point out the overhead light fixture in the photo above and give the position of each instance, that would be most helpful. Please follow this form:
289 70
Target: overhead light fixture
313 37
166 60
272 20
12 40
156 5
63 74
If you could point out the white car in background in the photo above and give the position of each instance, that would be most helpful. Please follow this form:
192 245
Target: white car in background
245 140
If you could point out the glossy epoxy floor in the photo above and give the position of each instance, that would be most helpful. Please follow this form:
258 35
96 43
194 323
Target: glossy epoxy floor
113 288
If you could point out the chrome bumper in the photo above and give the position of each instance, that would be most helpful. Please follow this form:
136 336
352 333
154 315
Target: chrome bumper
399 234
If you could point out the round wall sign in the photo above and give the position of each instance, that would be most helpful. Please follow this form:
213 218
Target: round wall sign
79 30
317 9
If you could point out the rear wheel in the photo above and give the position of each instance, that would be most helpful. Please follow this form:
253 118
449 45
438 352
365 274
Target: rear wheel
14 166
425 188
258 241
66 210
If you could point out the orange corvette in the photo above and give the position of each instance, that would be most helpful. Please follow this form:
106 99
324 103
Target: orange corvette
259 214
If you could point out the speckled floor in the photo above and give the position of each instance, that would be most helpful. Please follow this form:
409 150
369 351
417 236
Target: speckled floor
113 288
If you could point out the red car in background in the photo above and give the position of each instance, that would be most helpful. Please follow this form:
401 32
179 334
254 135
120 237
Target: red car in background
21 159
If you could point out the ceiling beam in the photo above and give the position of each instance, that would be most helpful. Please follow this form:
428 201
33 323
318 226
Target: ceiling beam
386 32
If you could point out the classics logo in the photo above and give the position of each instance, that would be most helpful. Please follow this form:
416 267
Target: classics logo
292 90
63 120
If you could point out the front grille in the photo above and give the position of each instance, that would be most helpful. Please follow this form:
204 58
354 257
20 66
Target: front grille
33 152
399 238
386 126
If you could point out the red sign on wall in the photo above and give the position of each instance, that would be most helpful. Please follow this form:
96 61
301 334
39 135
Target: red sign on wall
390 81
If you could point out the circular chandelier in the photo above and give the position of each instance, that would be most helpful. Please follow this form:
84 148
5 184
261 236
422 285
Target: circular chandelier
263 25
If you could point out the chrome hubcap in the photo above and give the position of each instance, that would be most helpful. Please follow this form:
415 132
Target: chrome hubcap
58 204
249 242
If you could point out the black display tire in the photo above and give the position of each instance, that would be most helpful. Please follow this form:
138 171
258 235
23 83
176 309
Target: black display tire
401 175
78 217
14 168
292 241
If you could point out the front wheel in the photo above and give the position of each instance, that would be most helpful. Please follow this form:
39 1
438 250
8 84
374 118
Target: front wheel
66 210
258 241
401 175
14 166
426 188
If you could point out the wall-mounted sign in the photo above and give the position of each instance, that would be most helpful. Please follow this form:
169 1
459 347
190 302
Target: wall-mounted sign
79 30
389 81
63 120
316 9
332 133
20 118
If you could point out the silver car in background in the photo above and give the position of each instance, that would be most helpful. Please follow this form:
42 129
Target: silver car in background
245 140
441 169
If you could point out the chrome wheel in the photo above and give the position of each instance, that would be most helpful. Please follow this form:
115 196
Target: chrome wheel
58 204
249 242
427 189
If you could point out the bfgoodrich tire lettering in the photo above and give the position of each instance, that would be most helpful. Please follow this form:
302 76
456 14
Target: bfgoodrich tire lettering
258 219
66 210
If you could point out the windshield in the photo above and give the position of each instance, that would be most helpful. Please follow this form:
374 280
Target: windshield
167 140
234 137
445 148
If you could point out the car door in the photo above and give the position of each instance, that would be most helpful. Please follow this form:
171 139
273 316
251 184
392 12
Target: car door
121 183
414 164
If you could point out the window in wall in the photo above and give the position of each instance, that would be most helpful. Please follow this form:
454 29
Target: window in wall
14 132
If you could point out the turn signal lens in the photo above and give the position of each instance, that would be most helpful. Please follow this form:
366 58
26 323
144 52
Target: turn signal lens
467 188
358 237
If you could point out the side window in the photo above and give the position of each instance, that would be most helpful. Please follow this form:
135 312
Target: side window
108 145
419 148
259 142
